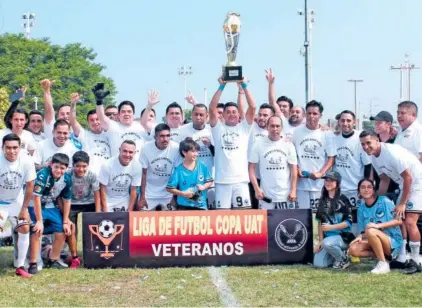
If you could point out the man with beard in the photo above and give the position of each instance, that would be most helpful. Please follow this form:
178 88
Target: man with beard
63 112
392 161
277 163
119 175
59 143
35 125
125 129
94 140
231 142
158 160
297 115
315 151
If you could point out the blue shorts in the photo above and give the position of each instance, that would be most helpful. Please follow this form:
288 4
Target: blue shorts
52 220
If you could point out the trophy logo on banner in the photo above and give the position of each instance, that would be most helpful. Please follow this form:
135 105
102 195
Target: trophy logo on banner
106 231
231 26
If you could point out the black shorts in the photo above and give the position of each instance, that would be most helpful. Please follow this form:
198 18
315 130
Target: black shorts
188 208
75 209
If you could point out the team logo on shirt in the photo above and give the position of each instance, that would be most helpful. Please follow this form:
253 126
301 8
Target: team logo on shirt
409 205
310 147
37 188
106 231
161 166
121 182
291 235
275 159
379 212
9 180
201 177
230 141
102 149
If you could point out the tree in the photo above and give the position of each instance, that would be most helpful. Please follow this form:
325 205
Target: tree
4 105
26 62
368 125
188 115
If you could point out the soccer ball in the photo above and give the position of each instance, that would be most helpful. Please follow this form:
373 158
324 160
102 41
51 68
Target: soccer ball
106 228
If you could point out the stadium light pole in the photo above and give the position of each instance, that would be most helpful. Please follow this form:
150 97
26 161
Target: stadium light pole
307 51
406 67
206 96
185 71
355 81
35 103
29 22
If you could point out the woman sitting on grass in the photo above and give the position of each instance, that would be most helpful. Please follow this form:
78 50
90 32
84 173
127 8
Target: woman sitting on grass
334 220
379 228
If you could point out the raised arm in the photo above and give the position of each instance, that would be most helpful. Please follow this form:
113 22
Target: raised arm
271 92
241 101
100 95
250 113
153 96
46 85
76 127
214 102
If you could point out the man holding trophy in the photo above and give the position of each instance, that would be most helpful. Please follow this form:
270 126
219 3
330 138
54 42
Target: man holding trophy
231 137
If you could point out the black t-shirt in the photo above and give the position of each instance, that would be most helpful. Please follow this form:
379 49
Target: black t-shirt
329 209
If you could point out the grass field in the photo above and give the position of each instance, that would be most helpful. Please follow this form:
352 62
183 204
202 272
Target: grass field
250 286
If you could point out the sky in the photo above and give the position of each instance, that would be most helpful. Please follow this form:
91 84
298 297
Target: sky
143 43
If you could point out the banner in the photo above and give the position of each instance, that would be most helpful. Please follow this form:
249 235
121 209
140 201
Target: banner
188 238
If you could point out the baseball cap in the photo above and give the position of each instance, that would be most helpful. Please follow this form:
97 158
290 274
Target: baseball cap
332 175
383 116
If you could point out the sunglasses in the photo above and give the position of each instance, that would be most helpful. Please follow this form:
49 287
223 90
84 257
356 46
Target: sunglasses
36 121
111 114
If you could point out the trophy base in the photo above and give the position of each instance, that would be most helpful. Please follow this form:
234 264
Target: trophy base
232 73
107 255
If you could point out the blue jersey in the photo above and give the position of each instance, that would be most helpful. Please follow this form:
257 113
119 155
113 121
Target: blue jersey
75 141
382 211
50 189
184 179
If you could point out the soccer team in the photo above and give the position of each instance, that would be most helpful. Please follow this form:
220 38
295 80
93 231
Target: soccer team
227 157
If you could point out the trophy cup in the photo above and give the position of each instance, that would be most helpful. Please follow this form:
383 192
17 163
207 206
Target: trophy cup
106 231
231 26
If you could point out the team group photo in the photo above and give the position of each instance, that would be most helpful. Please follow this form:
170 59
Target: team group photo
272 188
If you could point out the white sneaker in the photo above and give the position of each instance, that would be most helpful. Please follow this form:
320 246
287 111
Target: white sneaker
382 267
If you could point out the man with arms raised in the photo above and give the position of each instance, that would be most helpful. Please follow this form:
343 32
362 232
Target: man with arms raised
16 171
158 160
125 129
277 162
315 152
231 146
111 112
94 141
59 143
119 175
392 161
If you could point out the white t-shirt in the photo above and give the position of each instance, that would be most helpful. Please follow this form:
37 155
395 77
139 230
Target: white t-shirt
274 159
313 148
13 176
47 148
97 146
38 137
118 179
205 154
28 142
175 133
350 160
231 152
289 129
257 134
393 160
117 133
159 165
411 139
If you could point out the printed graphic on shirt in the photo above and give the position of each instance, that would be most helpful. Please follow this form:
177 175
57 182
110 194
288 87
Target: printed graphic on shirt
230 141
162 166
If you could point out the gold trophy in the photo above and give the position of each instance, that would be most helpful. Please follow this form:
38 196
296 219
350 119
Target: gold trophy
231 26
106 231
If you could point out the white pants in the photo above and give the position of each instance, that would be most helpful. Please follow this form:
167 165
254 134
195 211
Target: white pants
308 199
285 205
163 202
229 196
414 205
211 197
10 212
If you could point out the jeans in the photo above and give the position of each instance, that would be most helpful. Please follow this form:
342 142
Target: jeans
333 249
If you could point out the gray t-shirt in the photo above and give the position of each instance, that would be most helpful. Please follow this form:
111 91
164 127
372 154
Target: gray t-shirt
83 188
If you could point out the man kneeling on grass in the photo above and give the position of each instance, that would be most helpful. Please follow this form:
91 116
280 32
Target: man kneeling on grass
191 179
85 198
52 183
379 228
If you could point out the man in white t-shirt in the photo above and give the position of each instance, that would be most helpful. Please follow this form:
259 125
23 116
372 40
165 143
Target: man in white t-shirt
16 119
59 143
63 112
297 115
118 176
231 146
200 132
94 141
174 117
35 125
351 159
391 161
315 151
410 134
277 161
16 171
158 159
125 129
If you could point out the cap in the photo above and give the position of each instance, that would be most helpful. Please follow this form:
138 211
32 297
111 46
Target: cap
383 116
332 175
